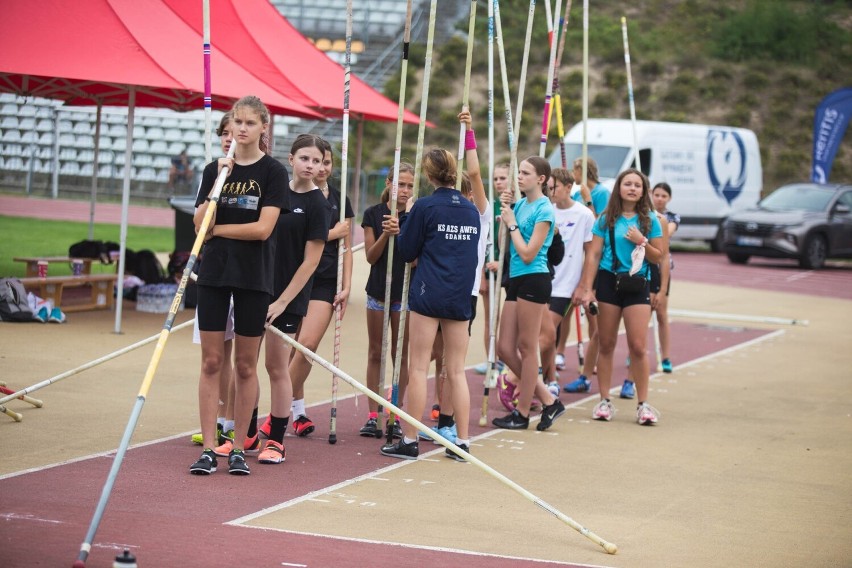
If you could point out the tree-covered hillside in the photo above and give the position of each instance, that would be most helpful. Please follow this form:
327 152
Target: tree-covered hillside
757 64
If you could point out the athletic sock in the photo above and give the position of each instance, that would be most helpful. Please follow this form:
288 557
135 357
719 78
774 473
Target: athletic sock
446 420
229 425
277 428
373 416
407 440
252 431
298 408
221 422
460 442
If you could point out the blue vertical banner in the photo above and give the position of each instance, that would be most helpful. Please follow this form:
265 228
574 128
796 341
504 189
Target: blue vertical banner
830 122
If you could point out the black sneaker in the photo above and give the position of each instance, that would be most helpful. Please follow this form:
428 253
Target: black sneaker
205 465
237 463
401 450
371 428
451 454
512 421
397 430
549 414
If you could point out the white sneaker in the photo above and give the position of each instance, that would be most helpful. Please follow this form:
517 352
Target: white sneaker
554 388
647 415
560 361
603 411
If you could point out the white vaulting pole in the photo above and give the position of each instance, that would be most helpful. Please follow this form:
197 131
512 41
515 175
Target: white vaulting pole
406 39
585 176
607 546
548 95
630 93
344 156
406 279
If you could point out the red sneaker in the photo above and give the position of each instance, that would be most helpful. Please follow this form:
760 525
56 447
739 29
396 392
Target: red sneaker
303 426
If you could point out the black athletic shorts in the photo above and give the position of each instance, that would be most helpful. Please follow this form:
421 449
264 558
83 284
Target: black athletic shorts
605 292
655 278
288 323
250 307
560 305
534 288
473 301
324 289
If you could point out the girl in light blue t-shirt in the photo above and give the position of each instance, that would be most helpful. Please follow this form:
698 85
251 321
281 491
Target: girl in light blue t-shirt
627 225
530 225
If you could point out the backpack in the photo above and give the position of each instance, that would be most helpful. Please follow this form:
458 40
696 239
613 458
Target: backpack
177 264
13 301
148 268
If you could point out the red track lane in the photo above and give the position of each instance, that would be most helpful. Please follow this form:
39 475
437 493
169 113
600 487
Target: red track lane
171 518
834 280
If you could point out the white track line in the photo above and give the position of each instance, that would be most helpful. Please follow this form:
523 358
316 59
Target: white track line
425 547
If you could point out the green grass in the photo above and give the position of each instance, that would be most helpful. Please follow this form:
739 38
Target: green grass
21 237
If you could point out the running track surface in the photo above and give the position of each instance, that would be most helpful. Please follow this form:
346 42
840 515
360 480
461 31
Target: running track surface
168 517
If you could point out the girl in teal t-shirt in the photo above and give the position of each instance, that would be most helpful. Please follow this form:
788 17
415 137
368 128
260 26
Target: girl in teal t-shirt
530 225
635 227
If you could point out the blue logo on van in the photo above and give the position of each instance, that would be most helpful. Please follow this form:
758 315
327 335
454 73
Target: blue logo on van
726 163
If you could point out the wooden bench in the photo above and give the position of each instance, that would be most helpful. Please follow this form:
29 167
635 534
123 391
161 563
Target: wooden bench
51 288
32 263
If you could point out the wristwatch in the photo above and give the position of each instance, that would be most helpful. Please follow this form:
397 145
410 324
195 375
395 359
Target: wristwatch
513 228
588 203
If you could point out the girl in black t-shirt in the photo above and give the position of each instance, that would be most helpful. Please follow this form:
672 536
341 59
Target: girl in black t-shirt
324 296
301 234
378 227
238 262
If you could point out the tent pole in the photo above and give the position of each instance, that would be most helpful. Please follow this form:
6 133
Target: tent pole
125 205
208 100
95 173
55 177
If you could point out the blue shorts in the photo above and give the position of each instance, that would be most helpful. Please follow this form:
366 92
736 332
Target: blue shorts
379 305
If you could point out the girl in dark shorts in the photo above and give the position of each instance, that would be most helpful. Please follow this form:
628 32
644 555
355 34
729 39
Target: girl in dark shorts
302 231
379 226
239 257
661 196
628 218
324 297
441 232
531 226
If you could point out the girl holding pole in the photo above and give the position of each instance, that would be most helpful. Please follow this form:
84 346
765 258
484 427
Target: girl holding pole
379 226
441 232
239 258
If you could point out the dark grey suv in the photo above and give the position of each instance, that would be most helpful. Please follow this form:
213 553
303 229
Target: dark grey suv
806 221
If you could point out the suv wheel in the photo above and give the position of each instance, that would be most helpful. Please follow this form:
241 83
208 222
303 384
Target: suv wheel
814 252
737 258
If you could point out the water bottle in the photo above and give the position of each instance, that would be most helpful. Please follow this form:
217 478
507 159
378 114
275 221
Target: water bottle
125 560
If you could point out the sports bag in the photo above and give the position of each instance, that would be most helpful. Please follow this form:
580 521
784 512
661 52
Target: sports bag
13 301
625 283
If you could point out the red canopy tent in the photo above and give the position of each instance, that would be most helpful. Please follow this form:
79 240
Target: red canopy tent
118 52
90 51
255 33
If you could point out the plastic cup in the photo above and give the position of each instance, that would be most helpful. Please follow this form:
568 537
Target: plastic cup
42 269
76 266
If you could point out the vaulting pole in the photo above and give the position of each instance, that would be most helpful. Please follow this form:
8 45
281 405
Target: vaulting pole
208 98
418 158
406 40
86 547
341 247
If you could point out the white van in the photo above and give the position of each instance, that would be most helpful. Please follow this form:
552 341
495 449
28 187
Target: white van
713 170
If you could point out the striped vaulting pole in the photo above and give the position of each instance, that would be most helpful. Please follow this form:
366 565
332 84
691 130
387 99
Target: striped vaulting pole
421 130
465 93
406 40
545 117
208 98
341 248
